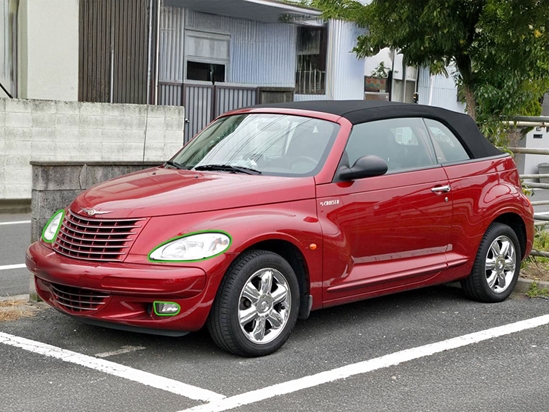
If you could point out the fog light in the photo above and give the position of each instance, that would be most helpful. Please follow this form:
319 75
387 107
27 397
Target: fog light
166 308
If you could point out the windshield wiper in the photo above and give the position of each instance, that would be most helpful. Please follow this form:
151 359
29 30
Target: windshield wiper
229 168
174 164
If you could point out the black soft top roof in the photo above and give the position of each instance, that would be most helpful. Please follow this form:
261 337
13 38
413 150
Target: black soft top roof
361 111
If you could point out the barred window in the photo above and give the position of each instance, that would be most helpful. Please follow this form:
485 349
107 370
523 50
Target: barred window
311 60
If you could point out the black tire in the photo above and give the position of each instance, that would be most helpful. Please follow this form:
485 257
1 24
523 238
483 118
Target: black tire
497 266
256 306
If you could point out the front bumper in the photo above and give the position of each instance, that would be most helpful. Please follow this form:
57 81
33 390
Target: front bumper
121 293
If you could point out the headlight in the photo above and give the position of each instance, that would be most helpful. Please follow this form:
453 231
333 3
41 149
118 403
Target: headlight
194 246
52 227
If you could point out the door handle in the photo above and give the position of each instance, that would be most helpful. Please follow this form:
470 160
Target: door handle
441 189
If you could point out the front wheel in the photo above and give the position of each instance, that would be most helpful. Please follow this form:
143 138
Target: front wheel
256 306
497 265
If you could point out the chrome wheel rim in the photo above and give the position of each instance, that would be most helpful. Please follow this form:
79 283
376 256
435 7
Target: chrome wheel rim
264 306
500 264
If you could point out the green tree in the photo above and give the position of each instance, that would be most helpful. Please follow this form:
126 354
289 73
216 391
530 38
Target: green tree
500 47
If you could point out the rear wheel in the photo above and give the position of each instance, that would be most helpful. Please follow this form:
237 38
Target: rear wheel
256 306
497 265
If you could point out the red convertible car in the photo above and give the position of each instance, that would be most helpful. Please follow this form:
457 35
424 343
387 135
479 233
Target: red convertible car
276 210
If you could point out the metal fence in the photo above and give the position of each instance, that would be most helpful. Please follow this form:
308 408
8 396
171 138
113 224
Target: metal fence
540 220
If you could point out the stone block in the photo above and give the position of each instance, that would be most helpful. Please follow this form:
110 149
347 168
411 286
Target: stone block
18 119
156 123
56 177
134 123
156 111
17 134
133 151
155 137
174 123
115 110
174 136
12 147
170 150
91 122
155 154
43 150
133 136
18 191
67 108
69 150
67 121
135 110
111 136
43 106
91 109
66 135
18 106
113 122
112 151
15 161
43 120
43 134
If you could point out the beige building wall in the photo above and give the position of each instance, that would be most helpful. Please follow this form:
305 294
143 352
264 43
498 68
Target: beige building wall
48 49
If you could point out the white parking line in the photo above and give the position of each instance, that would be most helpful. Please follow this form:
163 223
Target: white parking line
122 350
136 375
19 222
367 366
7 267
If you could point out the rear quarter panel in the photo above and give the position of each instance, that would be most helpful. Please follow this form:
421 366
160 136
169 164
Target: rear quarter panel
482 191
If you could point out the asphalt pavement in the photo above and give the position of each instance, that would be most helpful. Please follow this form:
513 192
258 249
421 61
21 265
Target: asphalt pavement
15 232
426 350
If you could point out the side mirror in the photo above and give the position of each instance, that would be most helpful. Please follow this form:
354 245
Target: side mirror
365 166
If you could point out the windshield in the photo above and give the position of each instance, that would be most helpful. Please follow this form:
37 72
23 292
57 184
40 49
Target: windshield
269 144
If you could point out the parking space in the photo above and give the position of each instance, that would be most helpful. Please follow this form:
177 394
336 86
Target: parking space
14 239
97 368
421 350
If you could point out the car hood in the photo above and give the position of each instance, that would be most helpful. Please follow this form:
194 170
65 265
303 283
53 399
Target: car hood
159 192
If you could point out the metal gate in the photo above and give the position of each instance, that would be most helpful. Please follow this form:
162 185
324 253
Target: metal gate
204 102
114 56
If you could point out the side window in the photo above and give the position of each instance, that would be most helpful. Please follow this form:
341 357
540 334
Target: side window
402 143
448 148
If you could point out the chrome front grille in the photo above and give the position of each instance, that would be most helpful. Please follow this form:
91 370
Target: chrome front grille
78 300
104 240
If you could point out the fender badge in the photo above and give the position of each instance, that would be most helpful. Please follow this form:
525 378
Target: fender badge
93 212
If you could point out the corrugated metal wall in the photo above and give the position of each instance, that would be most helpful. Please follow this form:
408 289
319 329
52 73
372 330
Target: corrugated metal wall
114 37
444 91
261 54
205 102
229 98
199 105
172 42
345 72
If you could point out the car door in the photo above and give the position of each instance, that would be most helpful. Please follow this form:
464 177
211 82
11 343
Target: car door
387 232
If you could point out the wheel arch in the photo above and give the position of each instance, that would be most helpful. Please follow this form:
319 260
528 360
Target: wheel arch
295 258
515 222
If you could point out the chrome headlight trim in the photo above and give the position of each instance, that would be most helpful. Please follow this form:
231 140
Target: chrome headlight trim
192 247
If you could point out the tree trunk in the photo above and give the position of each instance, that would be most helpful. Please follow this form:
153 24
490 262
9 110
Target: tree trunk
470 103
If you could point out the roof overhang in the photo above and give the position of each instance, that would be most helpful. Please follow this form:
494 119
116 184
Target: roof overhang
267 11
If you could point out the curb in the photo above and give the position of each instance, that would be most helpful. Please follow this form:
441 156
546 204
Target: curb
523 285
26 298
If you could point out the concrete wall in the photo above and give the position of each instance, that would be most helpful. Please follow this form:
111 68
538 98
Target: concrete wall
35 130
538 138
48 49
